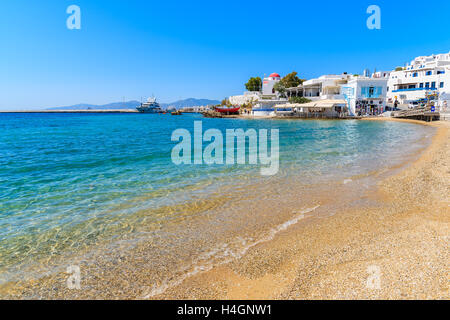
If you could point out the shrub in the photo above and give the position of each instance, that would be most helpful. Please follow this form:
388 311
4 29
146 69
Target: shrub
299 100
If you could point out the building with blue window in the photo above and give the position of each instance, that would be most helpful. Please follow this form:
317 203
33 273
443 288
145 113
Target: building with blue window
424 76
366 96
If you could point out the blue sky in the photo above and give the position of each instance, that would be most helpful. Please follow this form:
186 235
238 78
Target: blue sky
202 49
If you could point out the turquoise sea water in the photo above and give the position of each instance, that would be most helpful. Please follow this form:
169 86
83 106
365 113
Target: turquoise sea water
71 181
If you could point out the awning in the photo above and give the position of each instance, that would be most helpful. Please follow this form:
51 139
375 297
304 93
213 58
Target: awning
326 103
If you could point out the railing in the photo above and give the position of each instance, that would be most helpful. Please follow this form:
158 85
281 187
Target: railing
373 96
413 89
313 115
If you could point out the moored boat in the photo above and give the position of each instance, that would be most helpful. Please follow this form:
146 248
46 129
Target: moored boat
150 106
228 110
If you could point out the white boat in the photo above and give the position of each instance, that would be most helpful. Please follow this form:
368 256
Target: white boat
150 106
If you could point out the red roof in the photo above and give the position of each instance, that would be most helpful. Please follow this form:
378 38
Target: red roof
274 75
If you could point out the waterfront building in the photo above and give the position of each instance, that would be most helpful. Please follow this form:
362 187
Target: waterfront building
324 87
266 107
424 77
268 84
363 95
264 101
366 96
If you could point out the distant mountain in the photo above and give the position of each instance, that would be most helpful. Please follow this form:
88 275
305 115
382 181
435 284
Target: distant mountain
191 102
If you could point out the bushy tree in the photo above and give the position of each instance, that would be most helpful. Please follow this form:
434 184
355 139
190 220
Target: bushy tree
225 102
291 80
254 84
280 88
299 100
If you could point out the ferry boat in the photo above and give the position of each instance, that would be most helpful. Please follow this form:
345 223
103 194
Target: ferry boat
150 106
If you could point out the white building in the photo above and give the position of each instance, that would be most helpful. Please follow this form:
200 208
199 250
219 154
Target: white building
268 91
366 95
263 102
325 87
425 75
268 84
266 107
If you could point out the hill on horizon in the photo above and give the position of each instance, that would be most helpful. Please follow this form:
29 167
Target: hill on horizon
190 102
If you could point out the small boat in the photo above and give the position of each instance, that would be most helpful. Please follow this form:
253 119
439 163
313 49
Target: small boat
176 113
228 110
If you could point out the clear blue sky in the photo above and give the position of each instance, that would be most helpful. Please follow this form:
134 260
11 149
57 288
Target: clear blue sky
201 49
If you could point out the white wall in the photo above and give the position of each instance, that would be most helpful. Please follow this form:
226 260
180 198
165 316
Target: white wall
268 86
244 98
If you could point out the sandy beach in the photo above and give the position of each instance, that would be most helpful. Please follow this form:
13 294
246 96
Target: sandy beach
396 249
389 241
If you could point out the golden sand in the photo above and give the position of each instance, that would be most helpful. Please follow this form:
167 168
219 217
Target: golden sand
398 250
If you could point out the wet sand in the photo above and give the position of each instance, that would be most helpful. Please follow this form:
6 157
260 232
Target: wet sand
397 249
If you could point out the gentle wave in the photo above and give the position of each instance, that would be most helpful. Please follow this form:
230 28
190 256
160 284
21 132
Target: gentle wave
226 254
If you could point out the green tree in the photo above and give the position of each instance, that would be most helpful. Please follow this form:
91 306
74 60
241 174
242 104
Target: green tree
299 100
225 102
280 88
399 69
291 80
254 84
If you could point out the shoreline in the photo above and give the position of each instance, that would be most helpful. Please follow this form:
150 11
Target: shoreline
404 241
264 270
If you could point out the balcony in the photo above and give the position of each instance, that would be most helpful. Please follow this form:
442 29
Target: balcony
413 89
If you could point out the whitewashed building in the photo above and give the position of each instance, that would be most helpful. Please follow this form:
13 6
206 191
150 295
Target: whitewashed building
425 75
264 101
266 107
365 96
325 87
268 84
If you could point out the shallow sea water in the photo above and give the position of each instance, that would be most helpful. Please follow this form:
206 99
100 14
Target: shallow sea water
101 191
